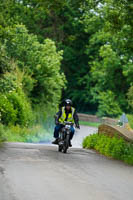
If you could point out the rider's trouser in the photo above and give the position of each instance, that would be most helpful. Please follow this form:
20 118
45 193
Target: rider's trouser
58 128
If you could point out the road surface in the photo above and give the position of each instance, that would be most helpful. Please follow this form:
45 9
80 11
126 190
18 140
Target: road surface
40 172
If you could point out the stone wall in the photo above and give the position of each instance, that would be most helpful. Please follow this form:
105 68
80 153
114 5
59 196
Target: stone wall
94 118
112 130
109 126
90 118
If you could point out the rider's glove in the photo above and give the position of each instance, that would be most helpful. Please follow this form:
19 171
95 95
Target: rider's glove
77 126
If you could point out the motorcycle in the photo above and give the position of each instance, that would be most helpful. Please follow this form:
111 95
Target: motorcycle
64 137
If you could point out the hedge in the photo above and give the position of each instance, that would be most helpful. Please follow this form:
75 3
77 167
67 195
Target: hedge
114 147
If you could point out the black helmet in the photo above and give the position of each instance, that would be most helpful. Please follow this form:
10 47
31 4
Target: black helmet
68 102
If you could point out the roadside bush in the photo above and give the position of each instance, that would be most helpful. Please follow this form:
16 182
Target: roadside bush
2 133
8 113
22 107
8 82
4 59
34 134
18 133
15 109
114 147
90 141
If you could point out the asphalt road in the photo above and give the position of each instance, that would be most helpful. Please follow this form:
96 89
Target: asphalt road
40 172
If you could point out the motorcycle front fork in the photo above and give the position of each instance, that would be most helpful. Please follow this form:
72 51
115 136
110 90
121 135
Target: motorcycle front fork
64 135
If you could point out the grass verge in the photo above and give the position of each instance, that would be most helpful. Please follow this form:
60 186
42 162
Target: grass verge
130 119
34 134
114 147
93 124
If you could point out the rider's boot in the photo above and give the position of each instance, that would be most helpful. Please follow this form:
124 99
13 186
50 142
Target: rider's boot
55 141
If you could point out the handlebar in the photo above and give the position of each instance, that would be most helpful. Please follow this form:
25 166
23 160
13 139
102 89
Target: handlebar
67 123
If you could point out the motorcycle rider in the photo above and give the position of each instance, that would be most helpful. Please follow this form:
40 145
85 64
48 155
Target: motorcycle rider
67 113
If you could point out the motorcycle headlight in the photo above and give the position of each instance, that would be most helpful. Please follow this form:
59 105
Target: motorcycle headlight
68 126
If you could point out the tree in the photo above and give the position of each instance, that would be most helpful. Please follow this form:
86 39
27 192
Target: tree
59 21
41 63
111 64
96 39
30 75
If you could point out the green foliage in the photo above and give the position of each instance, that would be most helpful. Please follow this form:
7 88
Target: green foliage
8 83
4 60
97 43
96 38
7 111
108 106
15 109
108 49
130 119
30 74
59 21
40 62
35 133
20 134
87 123
28 83
2 133
22 107
111 147
130 96
14 105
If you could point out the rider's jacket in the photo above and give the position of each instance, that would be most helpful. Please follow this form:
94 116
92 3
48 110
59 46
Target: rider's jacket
70 116
67 116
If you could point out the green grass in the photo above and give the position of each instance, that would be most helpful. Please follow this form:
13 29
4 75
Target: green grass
93 124
17 133
114 147
130 119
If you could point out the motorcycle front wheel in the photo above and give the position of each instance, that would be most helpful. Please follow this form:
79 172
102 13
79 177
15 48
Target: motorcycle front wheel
66 144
